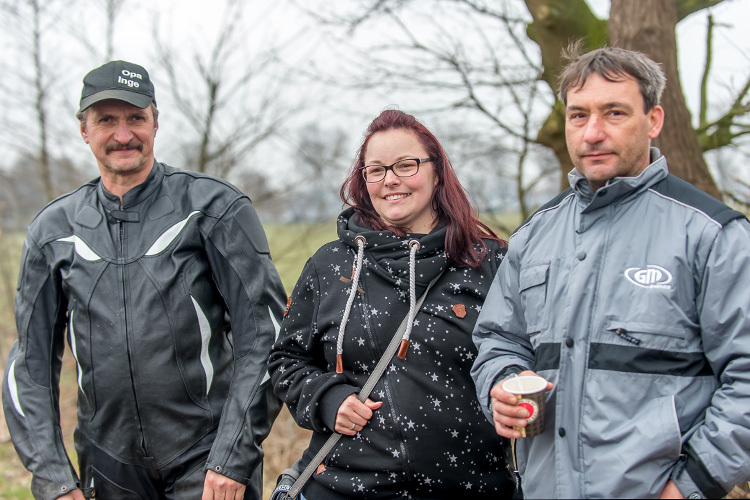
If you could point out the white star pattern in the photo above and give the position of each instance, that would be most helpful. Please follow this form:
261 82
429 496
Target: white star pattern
412 418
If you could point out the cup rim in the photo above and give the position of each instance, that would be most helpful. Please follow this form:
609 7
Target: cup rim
540 384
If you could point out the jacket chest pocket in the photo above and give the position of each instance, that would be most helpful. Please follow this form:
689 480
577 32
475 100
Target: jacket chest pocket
532 281
648 335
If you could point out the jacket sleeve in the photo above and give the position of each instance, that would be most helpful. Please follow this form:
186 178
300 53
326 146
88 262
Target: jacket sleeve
500 331
31 384
241 266
717 454
301 377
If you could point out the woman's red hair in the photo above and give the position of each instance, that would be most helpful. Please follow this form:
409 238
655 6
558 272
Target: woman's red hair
463 239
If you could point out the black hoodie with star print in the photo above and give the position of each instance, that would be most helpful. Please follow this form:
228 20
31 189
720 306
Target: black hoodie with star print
429 439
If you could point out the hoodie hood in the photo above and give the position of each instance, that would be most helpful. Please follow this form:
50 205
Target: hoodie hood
387 254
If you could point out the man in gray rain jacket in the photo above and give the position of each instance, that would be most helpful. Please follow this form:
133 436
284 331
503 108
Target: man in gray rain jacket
629 293
164 283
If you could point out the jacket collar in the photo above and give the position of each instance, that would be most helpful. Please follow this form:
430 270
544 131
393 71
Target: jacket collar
134 196
618 188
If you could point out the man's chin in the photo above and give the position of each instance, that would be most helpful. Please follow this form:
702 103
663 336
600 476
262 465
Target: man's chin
123 167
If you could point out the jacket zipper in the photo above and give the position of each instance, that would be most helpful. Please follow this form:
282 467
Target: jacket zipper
623 334
127 339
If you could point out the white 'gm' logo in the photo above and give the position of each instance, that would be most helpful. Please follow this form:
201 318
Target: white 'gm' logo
651 277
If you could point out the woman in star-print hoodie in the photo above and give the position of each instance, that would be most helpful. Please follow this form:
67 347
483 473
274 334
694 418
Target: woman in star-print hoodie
421 434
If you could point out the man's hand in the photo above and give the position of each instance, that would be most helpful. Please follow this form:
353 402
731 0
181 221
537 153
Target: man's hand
671 491
73 495
505 410
218 487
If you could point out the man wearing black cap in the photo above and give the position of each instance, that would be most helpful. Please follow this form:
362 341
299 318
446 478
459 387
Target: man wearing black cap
163 281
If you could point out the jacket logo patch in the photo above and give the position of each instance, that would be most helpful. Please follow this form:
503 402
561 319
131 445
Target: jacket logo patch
459 310
650 277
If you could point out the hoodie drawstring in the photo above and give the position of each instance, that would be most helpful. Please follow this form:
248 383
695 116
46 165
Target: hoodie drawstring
361 241
414 246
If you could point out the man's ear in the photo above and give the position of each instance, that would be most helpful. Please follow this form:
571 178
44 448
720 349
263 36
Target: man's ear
655 121
84 134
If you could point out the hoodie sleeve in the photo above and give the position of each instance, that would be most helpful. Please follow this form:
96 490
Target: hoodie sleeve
301 376
717 455
499 333
32 375
241 266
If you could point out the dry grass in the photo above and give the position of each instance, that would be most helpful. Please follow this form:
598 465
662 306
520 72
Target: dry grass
291 246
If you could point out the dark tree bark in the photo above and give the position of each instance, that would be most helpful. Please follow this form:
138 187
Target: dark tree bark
644 25
555 25
648 26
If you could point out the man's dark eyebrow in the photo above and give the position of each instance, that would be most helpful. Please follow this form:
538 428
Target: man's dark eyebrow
617 104
609 105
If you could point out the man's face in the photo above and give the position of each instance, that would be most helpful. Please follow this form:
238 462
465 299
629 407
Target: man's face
121 136
607 132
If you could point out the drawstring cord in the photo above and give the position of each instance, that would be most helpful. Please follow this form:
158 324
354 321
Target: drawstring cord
361 241
413 247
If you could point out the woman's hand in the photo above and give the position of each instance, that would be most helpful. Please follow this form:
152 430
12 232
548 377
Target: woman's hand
354 415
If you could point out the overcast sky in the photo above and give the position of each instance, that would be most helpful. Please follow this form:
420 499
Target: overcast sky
192 25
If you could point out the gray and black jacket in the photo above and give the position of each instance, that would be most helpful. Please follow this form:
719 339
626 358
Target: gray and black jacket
170 304
634 302
429 439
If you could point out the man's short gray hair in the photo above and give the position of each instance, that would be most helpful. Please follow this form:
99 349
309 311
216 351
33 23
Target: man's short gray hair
81 115
613 64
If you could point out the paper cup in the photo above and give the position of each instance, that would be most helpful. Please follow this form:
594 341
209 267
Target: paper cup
529 390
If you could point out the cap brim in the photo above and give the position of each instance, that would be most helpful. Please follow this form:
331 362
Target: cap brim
133 98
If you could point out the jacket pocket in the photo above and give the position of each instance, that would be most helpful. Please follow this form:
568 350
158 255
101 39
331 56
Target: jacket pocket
105 488
532 282
650 335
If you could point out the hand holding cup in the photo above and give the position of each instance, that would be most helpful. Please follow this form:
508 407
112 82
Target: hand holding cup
518 405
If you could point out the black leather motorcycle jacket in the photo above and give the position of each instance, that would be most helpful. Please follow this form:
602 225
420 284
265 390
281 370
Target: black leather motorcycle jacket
170 303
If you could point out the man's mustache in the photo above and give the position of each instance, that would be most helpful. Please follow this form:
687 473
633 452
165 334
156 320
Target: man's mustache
134 144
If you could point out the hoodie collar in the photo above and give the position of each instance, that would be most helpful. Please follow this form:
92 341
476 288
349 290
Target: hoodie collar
387 254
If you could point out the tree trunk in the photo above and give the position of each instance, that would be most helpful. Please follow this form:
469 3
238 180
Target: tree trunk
648 26
555 25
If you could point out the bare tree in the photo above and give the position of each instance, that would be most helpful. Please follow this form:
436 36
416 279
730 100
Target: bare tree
229 98
36 80
646 26
473 61
732 123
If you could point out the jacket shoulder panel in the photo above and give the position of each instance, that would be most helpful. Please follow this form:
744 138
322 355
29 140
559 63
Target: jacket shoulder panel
550 205
211 195
675 189
58 216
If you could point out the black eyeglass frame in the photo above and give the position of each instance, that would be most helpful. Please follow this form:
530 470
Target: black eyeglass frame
390 167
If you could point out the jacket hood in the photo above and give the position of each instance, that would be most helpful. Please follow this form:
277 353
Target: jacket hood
387 254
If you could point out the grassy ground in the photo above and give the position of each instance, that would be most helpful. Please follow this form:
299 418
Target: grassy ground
291 246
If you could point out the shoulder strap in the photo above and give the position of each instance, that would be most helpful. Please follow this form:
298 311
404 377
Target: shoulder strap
362 396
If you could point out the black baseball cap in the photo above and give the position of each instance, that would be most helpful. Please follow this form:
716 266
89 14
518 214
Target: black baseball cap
119 80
